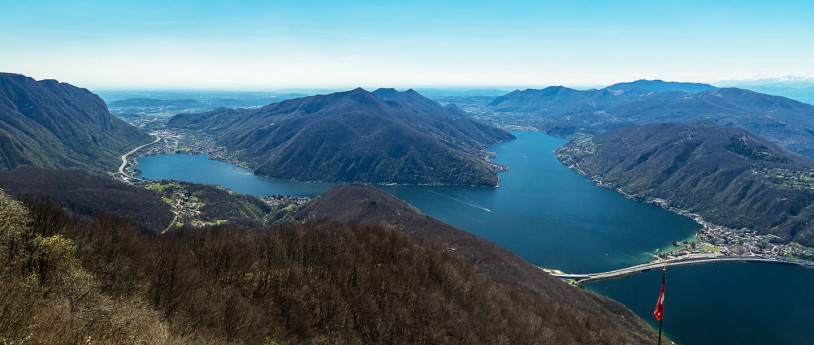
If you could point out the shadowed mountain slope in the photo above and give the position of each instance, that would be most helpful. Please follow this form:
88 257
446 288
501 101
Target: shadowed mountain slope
59 126
364 204
727 175
398 137
90 196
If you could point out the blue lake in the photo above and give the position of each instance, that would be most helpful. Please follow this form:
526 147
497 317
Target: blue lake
552 217
724 303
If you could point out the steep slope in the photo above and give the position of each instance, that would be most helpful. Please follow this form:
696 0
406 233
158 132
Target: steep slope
56 125
364 204
728 175
563 111
356 136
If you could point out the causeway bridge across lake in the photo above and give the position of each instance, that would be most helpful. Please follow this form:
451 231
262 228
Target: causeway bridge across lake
692 259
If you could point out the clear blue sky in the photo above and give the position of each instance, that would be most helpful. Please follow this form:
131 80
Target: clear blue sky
289 44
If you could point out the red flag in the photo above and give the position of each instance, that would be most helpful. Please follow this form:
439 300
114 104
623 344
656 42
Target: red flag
659 312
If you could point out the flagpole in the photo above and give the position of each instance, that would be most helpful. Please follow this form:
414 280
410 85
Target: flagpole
659 332
664 281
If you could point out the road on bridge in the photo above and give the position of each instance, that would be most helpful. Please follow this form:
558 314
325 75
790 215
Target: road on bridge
694 260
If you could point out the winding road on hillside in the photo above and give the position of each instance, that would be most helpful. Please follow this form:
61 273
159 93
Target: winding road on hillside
124 156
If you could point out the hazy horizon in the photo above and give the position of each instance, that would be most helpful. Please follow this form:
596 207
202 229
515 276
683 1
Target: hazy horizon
256 45
801 82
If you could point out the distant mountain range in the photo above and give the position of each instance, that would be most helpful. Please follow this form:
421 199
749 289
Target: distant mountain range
660 86
729 176
563 111
59 126
799 88
379 137
802 94
150 105
152 102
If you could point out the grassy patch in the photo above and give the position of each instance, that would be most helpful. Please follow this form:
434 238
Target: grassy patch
712 248
216 222
157 187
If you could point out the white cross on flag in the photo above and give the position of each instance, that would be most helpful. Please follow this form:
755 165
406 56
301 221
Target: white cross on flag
660 304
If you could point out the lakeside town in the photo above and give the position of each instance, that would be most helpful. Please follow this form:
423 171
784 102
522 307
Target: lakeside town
717 239
178 142
711 243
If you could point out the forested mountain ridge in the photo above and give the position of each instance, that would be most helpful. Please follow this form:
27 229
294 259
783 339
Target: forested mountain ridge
729 176
356 204
56 125
563 111
381 137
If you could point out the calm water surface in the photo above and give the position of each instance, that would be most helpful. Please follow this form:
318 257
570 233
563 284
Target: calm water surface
553 217
724 303
199 169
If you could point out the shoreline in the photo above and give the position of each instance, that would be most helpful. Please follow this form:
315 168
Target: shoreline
241 164
708 229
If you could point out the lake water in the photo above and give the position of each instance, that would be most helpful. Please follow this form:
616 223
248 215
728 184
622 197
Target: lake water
553 217
724 303
199 169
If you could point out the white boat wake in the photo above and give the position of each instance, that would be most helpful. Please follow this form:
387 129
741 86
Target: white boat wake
467 203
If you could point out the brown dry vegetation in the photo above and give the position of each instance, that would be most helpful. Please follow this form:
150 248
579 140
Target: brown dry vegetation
70 280
358 204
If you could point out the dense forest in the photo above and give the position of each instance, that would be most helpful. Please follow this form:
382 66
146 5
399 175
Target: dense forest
68 280
359 204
